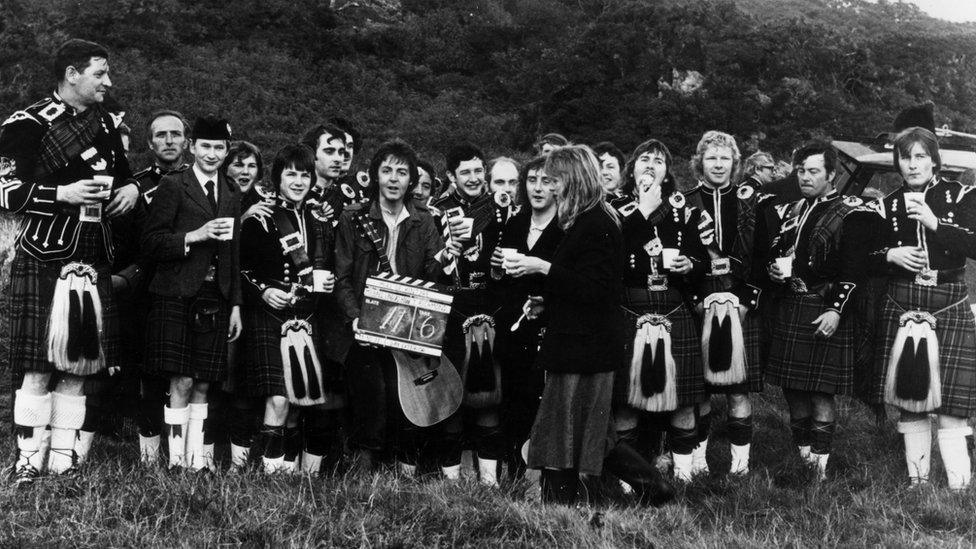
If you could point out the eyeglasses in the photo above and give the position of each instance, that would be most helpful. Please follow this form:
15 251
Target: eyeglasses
770 168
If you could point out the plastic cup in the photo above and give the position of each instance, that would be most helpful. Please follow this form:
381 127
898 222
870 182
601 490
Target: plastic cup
508 263
785 265
914 197
668 256
229 223
320 278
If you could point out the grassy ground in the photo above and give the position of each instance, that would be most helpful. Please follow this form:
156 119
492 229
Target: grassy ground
865 502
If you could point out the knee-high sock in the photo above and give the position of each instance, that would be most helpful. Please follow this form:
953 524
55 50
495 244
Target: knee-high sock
67 416
955 456
683 443
918 448
821 439
293 448
176 420
241 425
196 458
274 448
32 415
83 442
740 439
318 429
800 427
700 453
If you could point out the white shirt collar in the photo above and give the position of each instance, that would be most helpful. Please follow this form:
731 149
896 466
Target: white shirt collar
202 178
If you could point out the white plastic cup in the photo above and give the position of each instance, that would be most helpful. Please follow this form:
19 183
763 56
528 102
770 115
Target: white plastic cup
320 278
916 197
508 253
229 223
467 227
785 265
508 263
668 255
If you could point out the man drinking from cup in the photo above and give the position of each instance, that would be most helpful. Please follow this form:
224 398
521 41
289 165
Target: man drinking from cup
63 317
196 290
287 265
818 254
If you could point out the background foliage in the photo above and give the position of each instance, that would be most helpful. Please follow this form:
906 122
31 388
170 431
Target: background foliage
500 72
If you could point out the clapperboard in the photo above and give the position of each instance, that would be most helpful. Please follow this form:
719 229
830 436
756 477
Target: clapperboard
404 313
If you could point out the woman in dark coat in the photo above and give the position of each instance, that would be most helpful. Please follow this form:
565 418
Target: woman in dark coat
584 342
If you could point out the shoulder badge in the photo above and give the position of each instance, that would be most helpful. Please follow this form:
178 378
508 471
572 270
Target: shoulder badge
117 118
347 190
963 191
363 179
434 211
627 209
782 209
8 166
745 192
853 201
876 206
677 200
148 195
503 199
18 116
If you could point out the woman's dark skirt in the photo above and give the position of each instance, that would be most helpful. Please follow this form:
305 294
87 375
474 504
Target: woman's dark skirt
801 360
955 329
187 336
31 291
685 343
574 428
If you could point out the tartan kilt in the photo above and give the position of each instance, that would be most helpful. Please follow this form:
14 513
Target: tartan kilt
955 329
176 347
685 343
802 361
32 284
263 372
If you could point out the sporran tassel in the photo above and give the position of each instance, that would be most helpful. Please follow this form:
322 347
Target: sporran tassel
74 326
302 369
720 345
314 387
89 325
297 379
482 374
913 381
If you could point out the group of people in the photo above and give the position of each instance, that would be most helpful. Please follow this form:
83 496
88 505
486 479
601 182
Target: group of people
597 306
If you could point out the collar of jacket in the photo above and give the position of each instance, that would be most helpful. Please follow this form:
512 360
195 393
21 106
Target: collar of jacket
376 213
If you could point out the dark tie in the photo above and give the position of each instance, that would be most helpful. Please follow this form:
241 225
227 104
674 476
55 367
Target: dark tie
210 196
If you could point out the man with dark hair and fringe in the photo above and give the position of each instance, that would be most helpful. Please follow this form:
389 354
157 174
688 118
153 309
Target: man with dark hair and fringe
391 236
63 168
334 190
287 267
612 162
727 298
927 336
817 252
168 140
353 143
193 234
475 218
428 185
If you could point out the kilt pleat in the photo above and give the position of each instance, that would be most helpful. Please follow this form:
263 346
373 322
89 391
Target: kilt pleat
31 291
799 359
175 347
685 343
955 329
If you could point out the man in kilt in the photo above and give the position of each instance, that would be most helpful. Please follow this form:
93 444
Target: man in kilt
285 254
730 344
132 270
63 316
926 332
474 217
817 253
192 234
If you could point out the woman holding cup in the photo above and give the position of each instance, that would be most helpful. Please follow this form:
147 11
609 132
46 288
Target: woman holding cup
583 346
286 268
928 348
665 239
533 231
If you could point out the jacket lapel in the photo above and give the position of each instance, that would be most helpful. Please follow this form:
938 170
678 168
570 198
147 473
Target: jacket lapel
194 189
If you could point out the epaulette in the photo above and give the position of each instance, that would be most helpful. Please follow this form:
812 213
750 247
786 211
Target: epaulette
117 118
875 206
853 201
964 190
677 200
18 116
363 179
745 192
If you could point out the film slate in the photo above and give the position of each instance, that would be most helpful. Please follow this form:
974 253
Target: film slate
404 313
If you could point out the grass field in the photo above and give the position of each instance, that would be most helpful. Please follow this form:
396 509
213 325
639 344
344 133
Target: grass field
865 501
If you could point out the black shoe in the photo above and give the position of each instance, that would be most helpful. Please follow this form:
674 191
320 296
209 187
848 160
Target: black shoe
24 476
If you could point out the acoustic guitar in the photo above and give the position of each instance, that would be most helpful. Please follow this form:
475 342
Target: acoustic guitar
430 388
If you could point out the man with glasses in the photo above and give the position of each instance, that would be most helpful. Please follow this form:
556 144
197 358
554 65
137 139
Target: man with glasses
759 170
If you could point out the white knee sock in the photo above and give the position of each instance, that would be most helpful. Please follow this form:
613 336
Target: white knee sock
819 462
311 463
955 456
452 472
176 420
488 472
918 448
67 416
32 412
699 462
195 457
83 442
239 455
684 466
149 449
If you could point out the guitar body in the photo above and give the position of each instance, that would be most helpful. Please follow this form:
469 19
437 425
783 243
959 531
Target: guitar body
430 388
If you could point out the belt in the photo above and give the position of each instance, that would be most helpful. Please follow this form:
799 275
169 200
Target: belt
943 276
